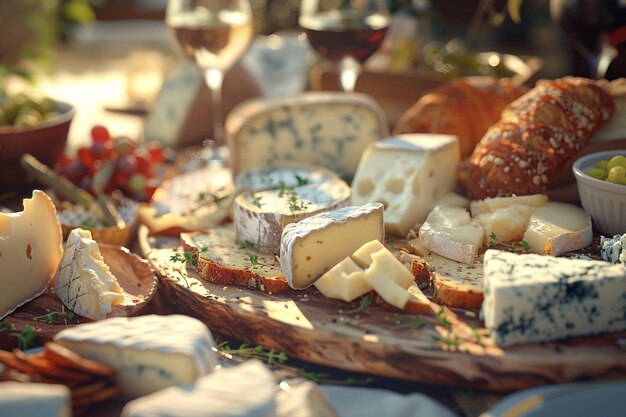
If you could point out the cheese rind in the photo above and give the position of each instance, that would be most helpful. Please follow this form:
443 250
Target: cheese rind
314 245
31 246
239 391
148 352
534 298
260 217
557 228
22 399
451 232
407 174
343 281
326 129
84 282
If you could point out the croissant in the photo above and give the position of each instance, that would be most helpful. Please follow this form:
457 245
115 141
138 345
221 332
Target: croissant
536 136
465 107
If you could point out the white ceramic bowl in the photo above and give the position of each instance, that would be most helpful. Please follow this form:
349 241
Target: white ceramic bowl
604 201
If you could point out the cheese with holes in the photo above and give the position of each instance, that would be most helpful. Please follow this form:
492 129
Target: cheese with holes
557 228
388 277
31 246
451 232
343 281
326 129
149 352
22 399
244 390
535 298
407 174
312 246
84 282
260 217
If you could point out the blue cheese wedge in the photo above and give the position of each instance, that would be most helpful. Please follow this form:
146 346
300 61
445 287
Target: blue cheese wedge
408 174
149 352
84 282
312 246
31 246
326 129
260 217
21 399
613 249
534 298
244 390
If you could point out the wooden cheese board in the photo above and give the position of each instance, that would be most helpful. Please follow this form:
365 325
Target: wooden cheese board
447 346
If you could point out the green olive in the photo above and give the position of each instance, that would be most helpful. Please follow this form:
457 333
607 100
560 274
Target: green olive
617 175
27 118
617 160
598 173
602 163
44 105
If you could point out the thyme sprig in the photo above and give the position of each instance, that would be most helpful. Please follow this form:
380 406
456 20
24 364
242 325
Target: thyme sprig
54 316
512 247
27 339
188 257
364 304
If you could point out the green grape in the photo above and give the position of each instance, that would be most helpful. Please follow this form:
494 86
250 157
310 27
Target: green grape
598 173
617 175
617 160
602 163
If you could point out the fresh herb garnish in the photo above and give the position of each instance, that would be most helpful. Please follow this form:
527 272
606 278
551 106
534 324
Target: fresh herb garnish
364 303
301 181
256 200
188 257
406 322
27 339
246 244
513 247
254 258
52 316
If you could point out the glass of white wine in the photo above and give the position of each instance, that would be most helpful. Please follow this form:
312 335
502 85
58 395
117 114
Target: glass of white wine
213 34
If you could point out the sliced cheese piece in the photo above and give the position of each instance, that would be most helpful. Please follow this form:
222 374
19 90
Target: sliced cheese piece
238 391
418 248
303 400
407 174
84 282
451 232
343 281
314 245
273 176
418 302
260 217
363 255
31 246
149 352
505 224
557 228
24 399
490 205
326 129
387 276
535 298
454 199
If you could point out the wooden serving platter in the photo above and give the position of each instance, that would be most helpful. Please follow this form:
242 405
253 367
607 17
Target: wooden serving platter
445 347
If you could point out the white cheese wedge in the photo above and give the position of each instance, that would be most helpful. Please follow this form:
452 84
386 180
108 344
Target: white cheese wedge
407 174
535 298
261 217
21 399
363 255
451 232
303 400
149 352
31 246
326 129
343 281
490 205
557 228
312 246
506 224
388 277
246 390
84 282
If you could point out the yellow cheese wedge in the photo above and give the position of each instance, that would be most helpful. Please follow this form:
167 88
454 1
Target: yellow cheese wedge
344 281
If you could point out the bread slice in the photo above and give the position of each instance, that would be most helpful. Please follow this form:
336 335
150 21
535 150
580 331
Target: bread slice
454 284
222 260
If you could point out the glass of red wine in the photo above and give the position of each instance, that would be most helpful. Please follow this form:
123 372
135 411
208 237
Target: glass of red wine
345 32
596 27
213 34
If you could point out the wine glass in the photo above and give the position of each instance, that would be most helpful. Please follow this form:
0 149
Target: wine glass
346 32
592 25
213 34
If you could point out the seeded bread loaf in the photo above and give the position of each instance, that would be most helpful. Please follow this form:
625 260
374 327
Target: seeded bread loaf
538 133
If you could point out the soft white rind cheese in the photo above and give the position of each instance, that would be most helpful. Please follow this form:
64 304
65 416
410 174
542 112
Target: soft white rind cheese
303 400
451 232
557 228
326 129
31 246
84 282
314 245
534 298
273 176
148 352
261 217
246 390
407 174
21 399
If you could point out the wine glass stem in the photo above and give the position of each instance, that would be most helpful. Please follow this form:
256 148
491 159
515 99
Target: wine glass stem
348 73
600 64
214 79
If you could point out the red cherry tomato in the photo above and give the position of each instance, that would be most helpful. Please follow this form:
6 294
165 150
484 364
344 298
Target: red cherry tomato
100 134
